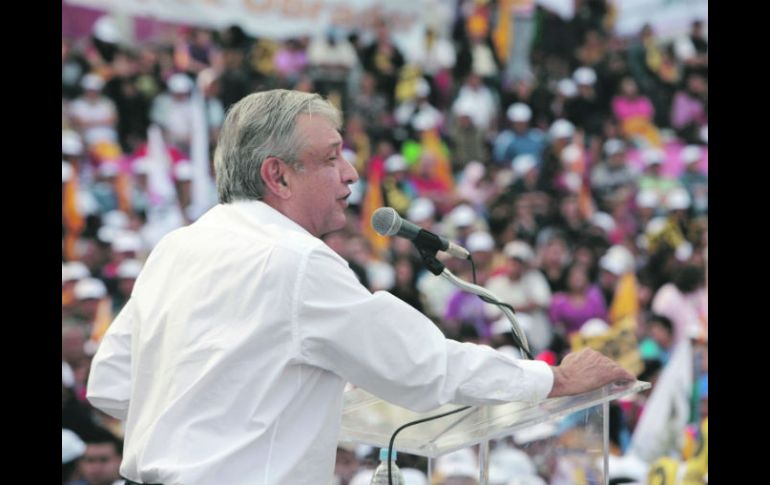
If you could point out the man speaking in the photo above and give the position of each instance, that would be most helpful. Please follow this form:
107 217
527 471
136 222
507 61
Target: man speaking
229 360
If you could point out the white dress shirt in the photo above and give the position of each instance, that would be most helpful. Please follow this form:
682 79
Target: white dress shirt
229 361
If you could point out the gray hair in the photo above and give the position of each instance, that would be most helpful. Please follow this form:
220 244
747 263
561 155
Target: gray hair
259 126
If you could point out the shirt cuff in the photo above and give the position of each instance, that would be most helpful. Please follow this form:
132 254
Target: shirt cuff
540 375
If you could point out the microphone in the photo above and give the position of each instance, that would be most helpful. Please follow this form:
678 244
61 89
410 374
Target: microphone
387 222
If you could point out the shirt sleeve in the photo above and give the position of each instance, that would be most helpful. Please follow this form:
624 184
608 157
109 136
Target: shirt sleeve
388 348
109 383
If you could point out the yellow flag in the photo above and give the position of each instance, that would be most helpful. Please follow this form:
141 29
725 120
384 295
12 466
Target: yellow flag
619 343
102 320
73 220
442 169
626 300
372 201
663 472
504 30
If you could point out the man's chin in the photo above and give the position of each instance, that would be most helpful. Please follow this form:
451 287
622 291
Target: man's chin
339 223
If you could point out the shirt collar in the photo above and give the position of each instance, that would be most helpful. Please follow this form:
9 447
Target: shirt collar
265 214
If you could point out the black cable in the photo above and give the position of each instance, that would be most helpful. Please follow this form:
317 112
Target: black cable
393 436
498 303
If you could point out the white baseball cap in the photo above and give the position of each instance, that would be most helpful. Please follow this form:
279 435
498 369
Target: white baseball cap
464 107
655 225
623 254
571 154
421 209
106 30
567 87
71 144
613 263
115 218
691 154
653 156
594 328
678 199
519 112
523 163
180 84
425 120
480 241
395 163
584 76
683 251
89 288
603 221
130 268
561 129
519 250
107 234
92 82
127 241
73 271
463 215
183 171
647 199
72 447
613 146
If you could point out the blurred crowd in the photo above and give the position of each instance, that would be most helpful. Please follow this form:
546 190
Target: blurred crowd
571 163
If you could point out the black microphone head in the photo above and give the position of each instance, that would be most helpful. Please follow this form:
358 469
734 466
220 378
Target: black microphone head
386 221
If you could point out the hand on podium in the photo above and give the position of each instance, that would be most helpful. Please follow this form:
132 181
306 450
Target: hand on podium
584 371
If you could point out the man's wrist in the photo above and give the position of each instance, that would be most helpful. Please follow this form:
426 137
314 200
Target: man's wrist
558 382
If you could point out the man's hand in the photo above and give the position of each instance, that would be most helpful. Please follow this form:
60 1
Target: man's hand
584 371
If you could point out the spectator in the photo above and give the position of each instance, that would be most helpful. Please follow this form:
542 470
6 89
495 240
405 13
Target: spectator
684 303
72 449
580 302
526 289
466 139
93 114
689 113
174 112
586 109
331 58
474 93
383 60
613 173
652 178
290 61
635 113
101 460
520 138
695 181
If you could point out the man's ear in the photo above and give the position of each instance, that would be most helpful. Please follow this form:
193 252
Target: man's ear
273 173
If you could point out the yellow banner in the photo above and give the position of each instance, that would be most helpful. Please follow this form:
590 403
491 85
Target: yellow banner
619 344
